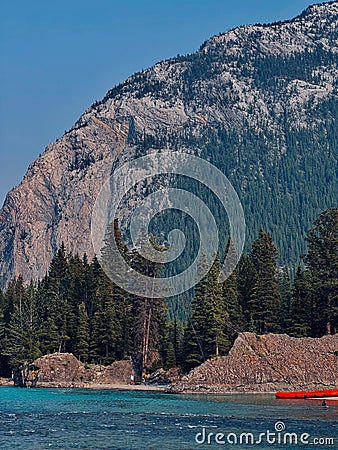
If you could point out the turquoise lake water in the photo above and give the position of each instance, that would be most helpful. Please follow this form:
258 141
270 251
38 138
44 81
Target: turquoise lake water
104 419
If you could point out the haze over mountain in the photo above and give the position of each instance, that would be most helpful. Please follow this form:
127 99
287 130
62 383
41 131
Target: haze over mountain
260 102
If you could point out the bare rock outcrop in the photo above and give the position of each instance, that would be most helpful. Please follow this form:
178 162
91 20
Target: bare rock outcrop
268 363
191 95
65 370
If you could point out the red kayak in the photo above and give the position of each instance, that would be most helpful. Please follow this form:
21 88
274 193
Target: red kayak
308 394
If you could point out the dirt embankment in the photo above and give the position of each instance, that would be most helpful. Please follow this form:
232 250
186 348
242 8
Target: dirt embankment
268 363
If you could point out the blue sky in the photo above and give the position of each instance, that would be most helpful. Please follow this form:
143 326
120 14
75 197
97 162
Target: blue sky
58 57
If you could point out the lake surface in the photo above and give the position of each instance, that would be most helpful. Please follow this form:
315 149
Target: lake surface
107 419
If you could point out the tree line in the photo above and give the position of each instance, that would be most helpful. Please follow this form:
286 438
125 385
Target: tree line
76 308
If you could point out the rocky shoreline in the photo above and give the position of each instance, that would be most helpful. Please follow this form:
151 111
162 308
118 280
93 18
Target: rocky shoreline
267 363
255 364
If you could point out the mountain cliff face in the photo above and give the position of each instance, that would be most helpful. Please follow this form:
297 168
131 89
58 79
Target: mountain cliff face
259 101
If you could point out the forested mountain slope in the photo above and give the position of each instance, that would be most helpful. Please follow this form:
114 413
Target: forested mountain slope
259 102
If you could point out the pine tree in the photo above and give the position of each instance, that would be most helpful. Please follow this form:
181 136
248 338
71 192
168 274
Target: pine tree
76 293
234 323
49 340
232 307
322 264
9 300
149 313
103 337
22 331
219 315
177 339
285 289
265 297
171 357
2 325
55 295
193 354
245 275
207 331
82 338
301 305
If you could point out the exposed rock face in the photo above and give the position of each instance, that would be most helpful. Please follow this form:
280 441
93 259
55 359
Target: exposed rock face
268 363
64 370
222 84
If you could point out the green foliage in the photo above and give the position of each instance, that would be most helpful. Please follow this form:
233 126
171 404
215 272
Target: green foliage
285 290
48 336
209 317
77 308
83 336
301 305
21 342
322 265
171 356
265 296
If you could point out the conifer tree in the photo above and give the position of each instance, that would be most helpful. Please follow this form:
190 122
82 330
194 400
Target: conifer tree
9 299
245 276
22 332
2 325
177 337
322 264
171 357
103 338
209 316
301 305
149 313
285 289
49 341
82 338
55 292
234 323
193 353
265 297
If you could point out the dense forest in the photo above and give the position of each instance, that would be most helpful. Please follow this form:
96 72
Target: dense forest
283 161
77 308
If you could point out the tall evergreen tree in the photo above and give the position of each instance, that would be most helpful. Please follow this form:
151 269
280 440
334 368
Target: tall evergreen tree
149 313
82 335
322 264
265 297
55 295
22 333
103 338
234 323
245 275
207 336
171 357
301 305
2 330
285 289
177 337
49 340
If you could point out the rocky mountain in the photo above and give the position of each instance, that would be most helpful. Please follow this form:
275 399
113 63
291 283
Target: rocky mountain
268 363
259 102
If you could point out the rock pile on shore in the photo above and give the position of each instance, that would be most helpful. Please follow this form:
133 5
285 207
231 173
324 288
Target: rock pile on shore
268 363
64 370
